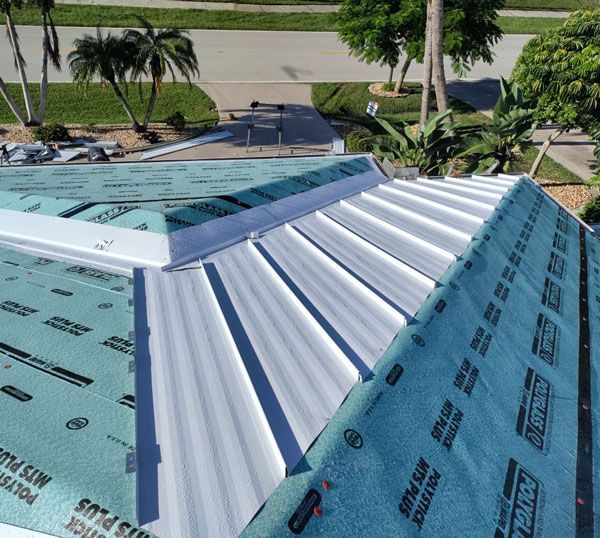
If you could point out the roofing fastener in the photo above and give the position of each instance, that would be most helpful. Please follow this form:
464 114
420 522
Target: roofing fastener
579 501
7 366
318 511
326 484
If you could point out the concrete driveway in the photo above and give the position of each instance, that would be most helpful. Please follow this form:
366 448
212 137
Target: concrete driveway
304 130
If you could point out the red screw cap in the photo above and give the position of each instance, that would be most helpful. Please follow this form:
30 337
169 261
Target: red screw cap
580 501
326 484
318 511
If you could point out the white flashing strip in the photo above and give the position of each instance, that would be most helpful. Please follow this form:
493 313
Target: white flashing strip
192 143
86 242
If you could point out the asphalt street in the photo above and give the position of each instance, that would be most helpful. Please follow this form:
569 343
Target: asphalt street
251 56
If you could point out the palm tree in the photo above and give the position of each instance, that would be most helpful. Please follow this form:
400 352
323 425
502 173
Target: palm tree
427 65
6 7
107 58
437 53
159 52
50 51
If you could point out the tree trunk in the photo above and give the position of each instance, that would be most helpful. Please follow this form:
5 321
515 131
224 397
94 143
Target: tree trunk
14 107
403 71
44 76
391 74
437 49
538 160
134 122
427 66
20 63
151 104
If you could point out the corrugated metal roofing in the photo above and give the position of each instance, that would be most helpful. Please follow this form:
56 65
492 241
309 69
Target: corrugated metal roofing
250 351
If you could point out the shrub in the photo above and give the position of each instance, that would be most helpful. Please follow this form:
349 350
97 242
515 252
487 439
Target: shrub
177 121
51 132
591 211
356 144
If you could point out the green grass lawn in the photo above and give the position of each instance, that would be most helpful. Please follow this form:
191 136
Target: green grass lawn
98 105
549 170
123 17
566 5
559 5
348 101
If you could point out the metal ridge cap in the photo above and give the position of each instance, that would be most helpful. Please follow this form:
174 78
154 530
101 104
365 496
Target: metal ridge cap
191 244
87 242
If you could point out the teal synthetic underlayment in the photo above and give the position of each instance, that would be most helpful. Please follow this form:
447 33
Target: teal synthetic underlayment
165 197
67 441
478 419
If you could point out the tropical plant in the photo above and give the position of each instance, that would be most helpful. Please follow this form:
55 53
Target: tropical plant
50 52
502 142
594 132
590 212
107 57
561 71
176 120
430 147
7 6
158 52
378 31
51 132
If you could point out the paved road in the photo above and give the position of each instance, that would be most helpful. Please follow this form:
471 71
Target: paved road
250 56
271 8
574 150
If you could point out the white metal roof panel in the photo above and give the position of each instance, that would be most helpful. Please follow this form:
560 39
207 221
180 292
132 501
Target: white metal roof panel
432 213
422 256
303 365
472 193
456 201
214 438
281 323
393 280
363 321
437 234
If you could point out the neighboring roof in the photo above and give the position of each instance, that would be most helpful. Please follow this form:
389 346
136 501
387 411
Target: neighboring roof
270 335
251 330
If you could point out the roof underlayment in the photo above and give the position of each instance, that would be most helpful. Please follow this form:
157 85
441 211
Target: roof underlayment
428 347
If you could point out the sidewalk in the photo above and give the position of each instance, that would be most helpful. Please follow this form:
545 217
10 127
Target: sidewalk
257 8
